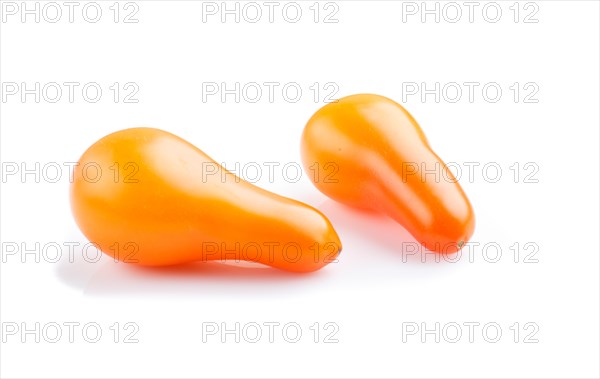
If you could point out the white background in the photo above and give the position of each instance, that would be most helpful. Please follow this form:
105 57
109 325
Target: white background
376 289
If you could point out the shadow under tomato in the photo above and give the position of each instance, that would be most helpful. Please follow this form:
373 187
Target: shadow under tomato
107 277
382 233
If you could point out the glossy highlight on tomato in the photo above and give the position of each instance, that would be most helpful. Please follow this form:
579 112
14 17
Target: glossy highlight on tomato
146 196
382 159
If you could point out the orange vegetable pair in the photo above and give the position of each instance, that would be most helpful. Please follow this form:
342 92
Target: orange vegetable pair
143 195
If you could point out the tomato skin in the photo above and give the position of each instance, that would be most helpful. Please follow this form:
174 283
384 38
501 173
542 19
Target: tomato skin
383 159
161 201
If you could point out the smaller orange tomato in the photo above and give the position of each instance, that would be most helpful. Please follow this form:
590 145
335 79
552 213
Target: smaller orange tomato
383 159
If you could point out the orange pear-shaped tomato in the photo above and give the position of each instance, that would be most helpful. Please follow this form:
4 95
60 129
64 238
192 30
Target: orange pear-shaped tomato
146 196
381 160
